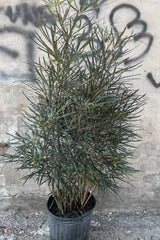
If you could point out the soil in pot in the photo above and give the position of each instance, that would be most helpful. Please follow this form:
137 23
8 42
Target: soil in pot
76 211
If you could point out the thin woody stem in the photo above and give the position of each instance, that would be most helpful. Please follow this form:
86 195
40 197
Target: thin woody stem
89 196
85 194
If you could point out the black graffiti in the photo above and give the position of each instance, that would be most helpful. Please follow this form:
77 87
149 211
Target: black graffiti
136 21
12 53
32 13
96 6
27 35
152 80
28 14
89 25
89 29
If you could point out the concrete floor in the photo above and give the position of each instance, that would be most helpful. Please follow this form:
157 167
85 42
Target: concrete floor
19 225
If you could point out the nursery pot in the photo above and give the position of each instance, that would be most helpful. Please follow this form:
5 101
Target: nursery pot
75 228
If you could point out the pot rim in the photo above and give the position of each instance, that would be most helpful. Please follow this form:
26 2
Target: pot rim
67 219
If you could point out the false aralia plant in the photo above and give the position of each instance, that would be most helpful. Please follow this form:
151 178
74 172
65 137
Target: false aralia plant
82 125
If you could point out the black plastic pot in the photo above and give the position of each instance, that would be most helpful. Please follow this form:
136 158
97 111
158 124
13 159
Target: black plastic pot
69 228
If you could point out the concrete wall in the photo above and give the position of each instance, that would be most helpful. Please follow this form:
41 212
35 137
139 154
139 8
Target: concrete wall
17 22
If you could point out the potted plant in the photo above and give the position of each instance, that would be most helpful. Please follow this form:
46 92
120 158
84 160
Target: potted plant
83 122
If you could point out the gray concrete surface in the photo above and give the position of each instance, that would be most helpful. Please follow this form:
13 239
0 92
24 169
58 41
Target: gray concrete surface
26 219
19 225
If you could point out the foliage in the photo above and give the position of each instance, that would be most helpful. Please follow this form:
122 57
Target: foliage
83 124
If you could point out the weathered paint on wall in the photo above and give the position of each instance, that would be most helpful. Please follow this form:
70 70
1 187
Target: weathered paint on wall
17 23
